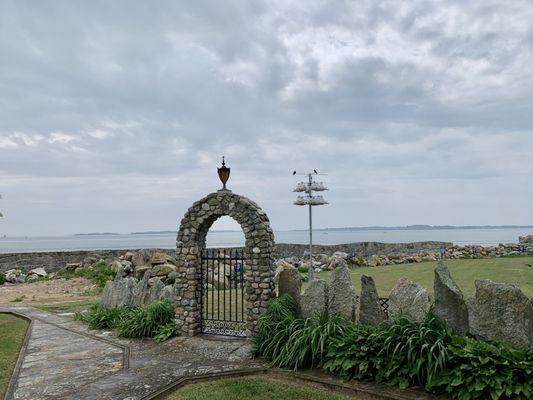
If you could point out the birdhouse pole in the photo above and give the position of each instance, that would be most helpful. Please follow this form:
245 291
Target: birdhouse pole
310 200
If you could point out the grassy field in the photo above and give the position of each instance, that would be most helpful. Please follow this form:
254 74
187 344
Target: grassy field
517 270
12 332
252 388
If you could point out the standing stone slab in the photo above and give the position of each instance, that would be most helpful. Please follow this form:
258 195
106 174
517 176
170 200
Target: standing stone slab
409 299
290 282
450 305
119 292
314 301
500 311
341 293
370 311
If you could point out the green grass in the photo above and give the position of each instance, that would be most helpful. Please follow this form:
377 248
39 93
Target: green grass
505 270
252 388
71 306
12 332
99 273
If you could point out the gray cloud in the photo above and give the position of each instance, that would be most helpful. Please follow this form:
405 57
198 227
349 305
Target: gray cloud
113 115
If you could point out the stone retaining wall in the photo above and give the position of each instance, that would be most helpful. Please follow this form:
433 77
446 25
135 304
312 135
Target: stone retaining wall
55 260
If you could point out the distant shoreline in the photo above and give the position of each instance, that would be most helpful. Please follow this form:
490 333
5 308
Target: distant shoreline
355 228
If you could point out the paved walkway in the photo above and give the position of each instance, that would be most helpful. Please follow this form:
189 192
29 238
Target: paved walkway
65 360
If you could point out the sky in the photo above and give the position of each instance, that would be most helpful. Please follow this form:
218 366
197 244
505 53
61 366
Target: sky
114 115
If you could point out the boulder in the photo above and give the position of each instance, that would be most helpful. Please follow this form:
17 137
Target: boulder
163 269
138 259
38 272
128 256
341 292
114 265
72 266
409 299
370 311
218 281
314 301
500 311
127 266
140 271
161 258
290 282
171 278
13 275
280 266
449 305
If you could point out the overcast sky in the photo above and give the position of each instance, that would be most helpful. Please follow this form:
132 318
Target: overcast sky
114 114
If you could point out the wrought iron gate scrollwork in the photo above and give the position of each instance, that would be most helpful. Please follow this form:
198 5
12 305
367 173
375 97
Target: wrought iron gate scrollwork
222 292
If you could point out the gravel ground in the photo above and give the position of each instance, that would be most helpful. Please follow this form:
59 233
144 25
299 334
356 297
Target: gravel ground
57 290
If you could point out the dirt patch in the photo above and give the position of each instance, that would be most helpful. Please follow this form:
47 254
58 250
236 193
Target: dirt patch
57 290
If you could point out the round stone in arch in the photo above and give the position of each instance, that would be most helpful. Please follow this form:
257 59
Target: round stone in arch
190 243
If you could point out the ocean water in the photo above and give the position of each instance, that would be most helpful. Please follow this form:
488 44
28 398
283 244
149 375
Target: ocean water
483 236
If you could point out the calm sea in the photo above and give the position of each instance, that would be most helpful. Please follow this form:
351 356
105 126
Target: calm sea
234 238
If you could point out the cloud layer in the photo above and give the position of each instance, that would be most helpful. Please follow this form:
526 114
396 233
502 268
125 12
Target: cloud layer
114 115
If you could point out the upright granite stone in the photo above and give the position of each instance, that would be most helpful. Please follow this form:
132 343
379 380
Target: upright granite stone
341 293
370 311
409 299
500 311
290 282
314 301
449 305
119 292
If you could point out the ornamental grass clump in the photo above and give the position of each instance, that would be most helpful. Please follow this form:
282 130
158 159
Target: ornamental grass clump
152 321
292 342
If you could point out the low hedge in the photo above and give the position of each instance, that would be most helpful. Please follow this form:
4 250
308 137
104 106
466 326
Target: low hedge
399 352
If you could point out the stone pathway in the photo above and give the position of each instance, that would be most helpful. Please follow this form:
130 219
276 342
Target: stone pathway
65 360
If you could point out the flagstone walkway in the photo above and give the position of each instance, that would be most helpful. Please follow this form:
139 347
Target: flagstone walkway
62 359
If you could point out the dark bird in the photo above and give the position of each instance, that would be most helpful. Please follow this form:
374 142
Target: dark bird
315 171
294 173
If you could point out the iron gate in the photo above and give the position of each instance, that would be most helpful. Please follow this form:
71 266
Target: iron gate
222 297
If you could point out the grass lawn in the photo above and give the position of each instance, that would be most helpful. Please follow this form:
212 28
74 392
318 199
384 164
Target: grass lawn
71 306
12 332
252 388
464 272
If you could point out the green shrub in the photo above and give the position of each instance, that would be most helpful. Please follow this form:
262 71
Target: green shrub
98 273
99 317
153 321
2 278
400 352
290 341
165 332
483 370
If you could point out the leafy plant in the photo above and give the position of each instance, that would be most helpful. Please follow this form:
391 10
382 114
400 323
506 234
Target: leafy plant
2 278
483 370
399 352
155 320
165 332
292 342
99 273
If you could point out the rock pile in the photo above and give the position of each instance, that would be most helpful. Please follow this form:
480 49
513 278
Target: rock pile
17 276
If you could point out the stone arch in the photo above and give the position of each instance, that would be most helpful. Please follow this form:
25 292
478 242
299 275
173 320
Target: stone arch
259 248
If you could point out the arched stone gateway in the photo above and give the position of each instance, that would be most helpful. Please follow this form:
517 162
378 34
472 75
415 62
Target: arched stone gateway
258 282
